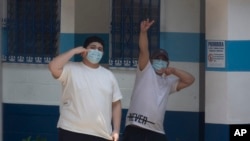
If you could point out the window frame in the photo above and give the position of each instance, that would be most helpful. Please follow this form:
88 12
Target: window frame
118 58
37 36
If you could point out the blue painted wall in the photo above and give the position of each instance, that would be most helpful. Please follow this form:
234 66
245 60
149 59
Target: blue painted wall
21 121
184 47
217 132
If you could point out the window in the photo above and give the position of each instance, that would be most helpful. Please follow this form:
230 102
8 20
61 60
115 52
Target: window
32 31
126 18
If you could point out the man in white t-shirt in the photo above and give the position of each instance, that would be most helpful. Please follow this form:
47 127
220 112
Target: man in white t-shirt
90 106
154 82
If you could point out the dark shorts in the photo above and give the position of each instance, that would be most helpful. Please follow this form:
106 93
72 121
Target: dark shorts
64 135
133 133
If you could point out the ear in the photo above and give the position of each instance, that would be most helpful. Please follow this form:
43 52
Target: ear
84 54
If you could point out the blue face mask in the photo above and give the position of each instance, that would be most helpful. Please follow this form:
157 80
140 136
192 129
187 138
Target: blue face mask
158 64
94 56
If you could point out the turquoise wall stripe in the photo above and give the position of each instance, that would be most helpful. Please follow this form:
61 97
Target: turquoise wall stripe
238 53
184 47
236 56
67 42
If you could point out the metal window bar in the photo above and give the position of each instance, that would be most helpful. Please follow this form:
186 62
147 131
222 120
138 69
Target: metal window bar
32 31
125 27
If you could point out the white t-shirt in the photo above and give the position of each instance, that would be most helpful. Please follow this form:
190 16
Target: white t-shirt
149 99
86 102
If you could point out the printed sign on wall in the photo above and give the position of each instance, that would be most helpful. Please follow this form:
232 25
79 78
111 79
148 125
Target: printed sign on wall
216 54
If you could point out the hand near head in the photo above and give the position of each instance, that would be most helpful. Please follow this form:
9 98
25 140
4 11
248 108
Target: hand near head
169 70
146 24
185 78
166 71
81 50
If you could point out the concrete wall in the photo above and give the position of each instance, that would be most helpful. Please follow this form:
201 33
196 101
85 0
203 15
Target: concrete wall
227 89
182 34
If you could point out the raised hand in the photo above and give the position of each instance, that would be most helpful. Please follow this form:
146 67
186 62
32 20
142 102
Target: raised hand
146 24
81 50
169 70
166 71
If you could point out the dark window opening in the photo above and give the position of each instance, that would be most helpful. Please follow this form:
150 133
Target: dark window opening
126 18
32 31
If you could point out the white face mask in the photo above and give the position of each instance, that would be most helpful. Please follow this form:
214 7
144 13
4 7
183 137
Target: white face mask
94 56
158 64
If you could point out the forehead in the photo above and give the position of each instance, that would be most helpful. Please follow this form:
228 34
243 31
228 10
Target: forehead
95 44
162 57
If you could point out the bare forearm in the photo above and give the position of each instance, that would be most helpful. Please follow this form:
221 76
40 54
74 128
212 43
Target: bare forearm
56 65
143 41
144 53
59 61
184 76
143 38
116 116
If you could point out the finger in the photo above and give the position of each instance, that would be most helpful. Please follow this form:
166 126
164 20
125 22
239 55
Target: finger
85 52
152 22
158 71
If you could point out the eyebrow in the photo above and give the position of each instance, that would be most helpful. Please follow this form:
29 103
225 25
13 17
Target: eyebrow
96 47
93 45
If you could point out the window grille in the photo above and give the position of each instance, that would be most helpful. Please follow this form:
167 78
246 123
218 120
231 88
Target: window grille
125 27
32 31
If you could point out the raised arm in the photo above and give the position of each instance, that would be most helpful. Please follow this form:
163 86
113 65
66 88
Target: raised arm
143 43
56 65
186 79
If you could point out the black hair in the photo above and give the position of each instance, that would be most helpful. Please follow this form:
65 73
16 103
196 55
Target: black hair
93 39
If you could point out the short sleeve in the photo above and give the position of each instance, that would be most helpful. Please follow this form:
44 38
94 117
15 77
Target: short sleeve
65 73
116 90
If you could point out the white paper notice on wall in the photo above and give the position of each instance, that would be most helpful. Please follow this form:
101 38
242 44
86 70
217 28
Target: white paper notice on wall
216 54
